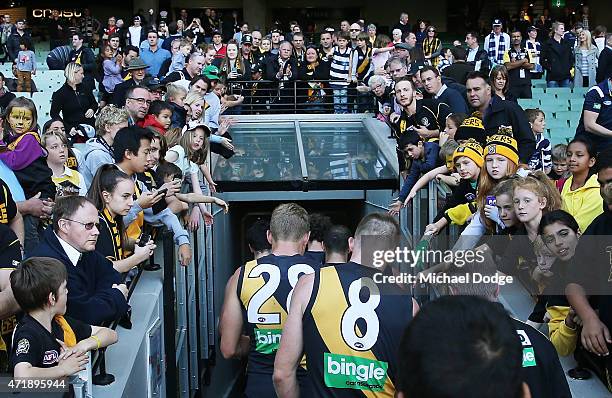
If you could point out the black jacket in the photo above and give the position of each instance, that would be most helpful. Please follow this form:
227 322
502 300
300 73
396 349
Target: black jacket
458 71
604 68
87 61
271 68
557 58
91 298
73 105
12 44
5 99
508 113
121 90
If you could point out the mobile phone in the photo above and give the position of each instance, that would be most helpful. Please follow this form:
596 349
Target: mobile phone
144 239
491 201
161 191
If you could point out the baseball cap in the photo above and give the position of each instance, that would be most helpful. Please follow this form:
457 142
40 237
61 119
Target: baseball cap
497 22
216 32
211 72
402 46
531 29
137 18
194 124
155 84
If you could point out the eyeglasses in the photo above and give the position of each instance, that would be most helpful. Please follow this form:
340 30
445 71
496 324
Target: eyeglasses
141 101
355 30
88 226
432 30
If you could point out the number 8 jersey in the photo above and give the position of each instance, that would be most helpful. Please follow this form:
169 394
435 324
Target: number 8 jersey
265 287
352 329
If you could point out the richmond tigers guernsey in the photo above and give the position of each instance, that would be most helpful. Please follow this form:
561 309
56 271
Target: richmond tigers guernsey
264 288
351 337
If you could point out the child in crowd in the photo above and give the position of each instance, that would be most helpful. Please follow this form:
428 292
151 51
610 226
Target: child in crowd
189 154
444 173
26 66
112 192
468 159
453 121
159 116
67 181
21 151
580 192
168 172
471 127
562 328
112 66
43 334
175 96
178 59
559 171
423 157
343 71
541 158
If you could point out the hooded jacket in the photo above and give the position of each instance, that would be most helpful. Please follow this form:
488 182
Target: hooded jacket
91 297
151 121
95 154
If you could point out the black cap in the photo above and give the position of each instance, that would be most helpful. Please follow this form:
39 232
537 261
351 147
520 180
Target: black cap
414 67
497 22
216 32
247 39
531 29
155 84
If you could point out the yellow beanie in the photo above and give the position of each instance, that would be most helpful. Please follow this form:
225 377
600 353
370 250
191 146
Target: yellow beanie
503 145
470 149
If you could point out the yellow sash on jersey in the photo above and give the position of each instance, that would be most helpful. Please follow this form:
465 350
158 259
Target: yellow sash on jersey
69 336
134 230
327 311
250 286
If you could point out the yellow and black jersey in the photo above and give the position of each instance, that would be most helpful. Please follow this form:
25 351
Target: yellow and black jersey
10 255
72 161
352 328
8 208
109 242
134 230
265 287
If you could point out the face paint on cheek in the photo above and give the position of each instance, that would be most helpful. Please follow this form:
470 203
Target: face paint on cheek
20 119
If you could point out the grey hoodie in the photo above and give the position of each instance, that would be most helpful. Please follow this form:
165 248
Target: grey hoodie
94 156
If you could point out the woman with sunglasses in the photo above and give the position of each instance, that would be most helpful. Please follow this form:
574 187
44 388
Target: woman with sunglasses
432 46
112 192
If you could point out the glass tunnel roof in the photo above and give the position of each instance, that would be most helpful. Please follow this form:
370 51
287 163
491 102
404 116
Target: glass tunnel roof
303 155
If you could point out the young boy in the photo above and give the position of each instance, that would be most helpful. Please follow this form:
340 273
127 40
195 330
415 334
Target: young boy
178 59
47 345
468 159
423 156
159 116
343 71
560 170
175 96
540 160
26 66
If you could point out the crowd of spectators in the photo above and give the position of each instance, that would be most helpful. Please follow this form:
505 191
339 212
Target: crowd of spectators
150 105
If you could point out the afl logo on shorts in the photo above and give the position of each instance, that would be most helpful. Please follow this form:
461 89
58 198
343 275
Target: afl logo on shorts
492 149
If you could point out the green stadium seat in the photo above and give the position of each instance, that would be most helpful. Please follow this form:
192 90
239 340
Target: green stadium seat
580 90
576 104
539 83
538 91
551 105
556 124
529 103
568 115
559 92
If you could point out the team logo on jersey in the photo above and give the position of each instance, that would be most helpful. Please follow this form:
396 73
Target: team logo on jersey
528 357
524 338
344 371
425 122
23 347
50 357
267 340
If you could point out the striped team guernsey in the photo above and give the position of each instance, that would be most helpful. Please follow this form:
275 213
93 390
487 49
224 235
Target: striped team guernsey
265 287
352 328
339 68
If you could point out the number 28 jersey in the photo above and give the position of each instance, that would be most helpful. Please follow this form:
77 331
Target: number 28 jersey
352 330
265 287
